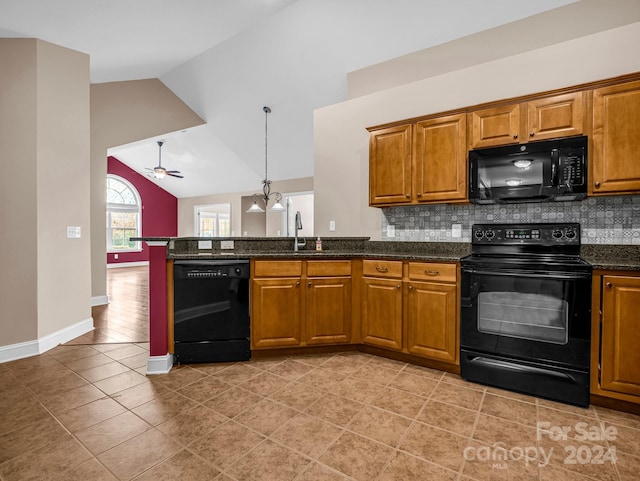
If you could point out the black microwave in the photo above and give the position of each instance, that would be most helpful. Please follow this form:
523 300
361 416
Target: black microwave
549 170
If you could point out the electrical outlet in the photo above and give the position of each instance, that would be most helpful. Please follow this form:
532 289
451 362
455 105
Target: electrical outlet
205 244
456 230
391 231
228 244
332 226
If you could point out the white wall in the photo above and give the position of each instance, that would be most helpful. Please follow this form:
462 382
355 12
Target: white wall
341 141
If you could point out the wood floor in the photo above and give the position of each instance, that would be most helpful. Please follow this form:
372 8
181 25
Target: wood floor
126 317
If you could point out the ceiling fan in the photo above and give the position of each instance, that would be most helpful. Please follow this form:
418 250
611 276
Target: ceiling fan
160 172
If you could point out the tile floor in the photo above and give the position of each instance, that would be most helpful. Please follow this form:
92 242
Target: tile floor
90 413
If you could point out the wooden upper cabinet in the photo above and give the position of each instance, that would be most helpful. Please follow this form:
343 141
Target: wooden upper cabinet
558 116
494 126
540 119
440 159
614 155
620 356
390 165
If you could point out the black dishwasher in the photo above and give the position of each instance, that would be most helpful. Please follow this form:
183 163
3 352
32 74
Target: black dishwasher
211 310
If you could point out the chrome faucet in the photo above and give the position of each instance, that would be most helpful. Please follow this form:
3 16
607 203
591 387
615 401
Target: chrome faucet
298 226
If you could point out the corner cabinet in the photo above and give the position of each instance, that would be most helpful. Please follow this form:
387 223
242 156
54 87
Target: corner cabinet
424 162
432 311
616 330
615 168
539 119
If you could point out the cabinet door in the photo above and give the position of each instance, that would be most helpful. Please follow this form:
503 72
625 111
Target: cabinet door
559 116
431 320
440 159
390 165
275 312
616 139
620 356
328 310
382 312
495 126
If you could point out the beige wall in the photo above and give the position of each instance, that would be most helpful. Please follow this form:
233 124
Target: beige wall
18 221
341 153
44 112
186 206
124 112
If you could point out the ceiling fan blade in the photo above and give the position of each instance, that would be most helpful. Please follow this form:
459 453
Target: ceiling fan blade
173 171
175 175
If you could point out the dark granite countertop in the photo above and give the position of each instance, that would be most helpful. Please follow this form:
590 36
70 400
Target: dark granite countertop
600 256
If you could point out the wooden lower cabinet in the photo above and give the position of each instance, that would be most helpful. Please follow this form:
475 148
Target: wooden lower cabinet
619 376
276 312
312 308
431 320
382 312
328 319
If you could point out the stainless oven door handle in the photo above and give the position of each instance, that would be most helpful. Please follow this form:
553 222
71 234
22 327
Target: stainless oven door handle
553 275
496 363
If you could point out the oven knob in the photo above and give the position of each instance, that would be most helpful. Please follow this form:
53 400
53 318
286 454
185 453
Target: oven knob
556 234
570 233
489 234
478 234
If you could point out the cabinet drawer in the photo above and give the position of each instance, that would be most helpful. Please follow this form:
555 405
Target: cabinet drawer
328 268
277 269
373 268
423 271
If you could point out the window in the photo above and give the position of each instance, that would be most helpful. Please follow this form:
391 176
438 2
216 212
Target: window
123 215
213 220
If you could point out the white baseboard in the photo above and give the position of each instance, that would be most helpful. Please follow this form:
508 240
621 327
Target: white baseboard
99 301
43 344
115 265
159 364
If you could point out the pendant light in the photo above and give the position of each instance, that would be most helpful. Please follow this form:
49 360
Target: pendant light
266 183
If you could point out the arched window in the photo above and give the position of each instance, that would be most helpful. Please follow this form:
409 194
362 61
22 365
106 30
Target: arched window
124 215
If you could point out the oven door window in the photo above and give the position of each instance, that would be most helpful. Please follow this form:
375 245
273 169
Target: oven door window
537 316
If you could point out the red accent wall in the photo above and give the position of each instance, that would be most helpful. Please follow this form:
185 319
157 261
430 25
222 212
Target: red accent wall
159 210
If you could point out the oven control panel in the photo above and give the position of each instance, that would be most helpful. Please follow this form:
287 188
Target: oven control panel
531 234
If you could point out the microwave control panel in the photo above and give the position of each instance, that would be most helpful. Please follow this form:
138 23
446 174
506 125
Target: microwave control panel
571 166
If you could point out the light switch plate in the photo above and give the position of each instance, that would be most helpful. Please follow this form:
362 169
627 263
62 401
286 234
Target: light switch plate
73 232
205 244
391 231
332 226
227 244
456 230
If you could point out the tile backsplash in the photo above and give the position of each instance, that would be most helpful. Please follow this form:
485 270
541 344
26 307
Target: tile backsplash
603 220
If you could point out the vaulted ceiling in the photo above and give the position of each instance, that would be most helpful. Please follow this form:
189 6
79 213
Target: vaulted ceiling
228 59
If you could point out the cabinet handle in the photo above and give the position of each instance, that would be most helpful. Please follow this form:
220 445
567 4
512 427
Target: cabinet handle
410 287
298 284
309 285
407 195
597 184
419 194
515 136
532 133
398 286
432 273
382 269
609 285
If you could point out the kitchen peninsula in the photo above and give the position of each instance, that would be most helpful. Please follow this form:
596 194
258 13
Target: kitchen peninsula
375 293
